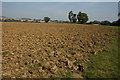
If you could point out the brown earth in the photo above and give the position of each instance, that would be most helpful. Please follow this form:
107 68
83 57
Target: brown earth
43 50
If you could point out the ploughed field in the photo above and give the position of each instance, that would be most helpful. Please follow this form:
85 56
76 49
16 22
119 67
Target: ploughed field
43 50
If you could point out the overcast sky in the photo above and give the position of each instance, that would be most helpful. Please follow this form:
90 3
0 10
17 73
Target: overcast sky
59 10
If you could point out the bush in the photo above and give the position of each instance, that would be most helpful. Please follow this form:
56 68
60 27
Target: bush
105 22
115 23
96 22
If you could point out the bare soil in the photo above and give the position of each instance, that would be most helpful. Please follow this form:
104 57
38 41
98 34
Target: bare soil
44 50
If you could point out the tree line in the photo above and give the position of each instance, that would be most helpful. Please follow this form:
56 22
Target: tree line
80 18
114 23
74 18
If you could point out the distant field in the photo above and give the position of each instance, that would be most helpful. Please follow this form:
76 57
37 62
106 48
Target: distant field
44 50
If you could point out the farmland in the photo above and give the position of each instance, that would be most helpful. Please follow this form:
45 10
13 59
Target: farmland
44 50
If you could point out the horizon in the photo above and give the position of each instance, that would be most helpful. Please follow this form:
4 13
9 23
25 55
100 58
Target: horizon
99 11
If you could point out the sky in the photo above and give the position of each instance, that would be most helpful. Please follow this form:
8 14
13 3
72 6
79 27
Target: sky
59 10
59 0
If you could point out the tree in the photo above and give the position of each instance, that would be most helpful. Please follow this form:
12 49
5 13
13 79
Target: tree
105 22
115 23
96 22
82 17
46 19
119 15
72 17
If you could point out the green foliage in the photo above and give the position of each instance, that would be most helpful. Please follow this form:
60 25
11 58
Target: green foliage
4 53
33 68
70 58
104 64
68 74
77 62
105 23
37 54
42 62
116 23
47 19
82 17
114 27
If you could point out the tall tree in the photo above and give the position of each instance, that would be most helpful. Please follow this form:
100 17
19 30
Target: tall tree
82 17
74 19
47 19
70 16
